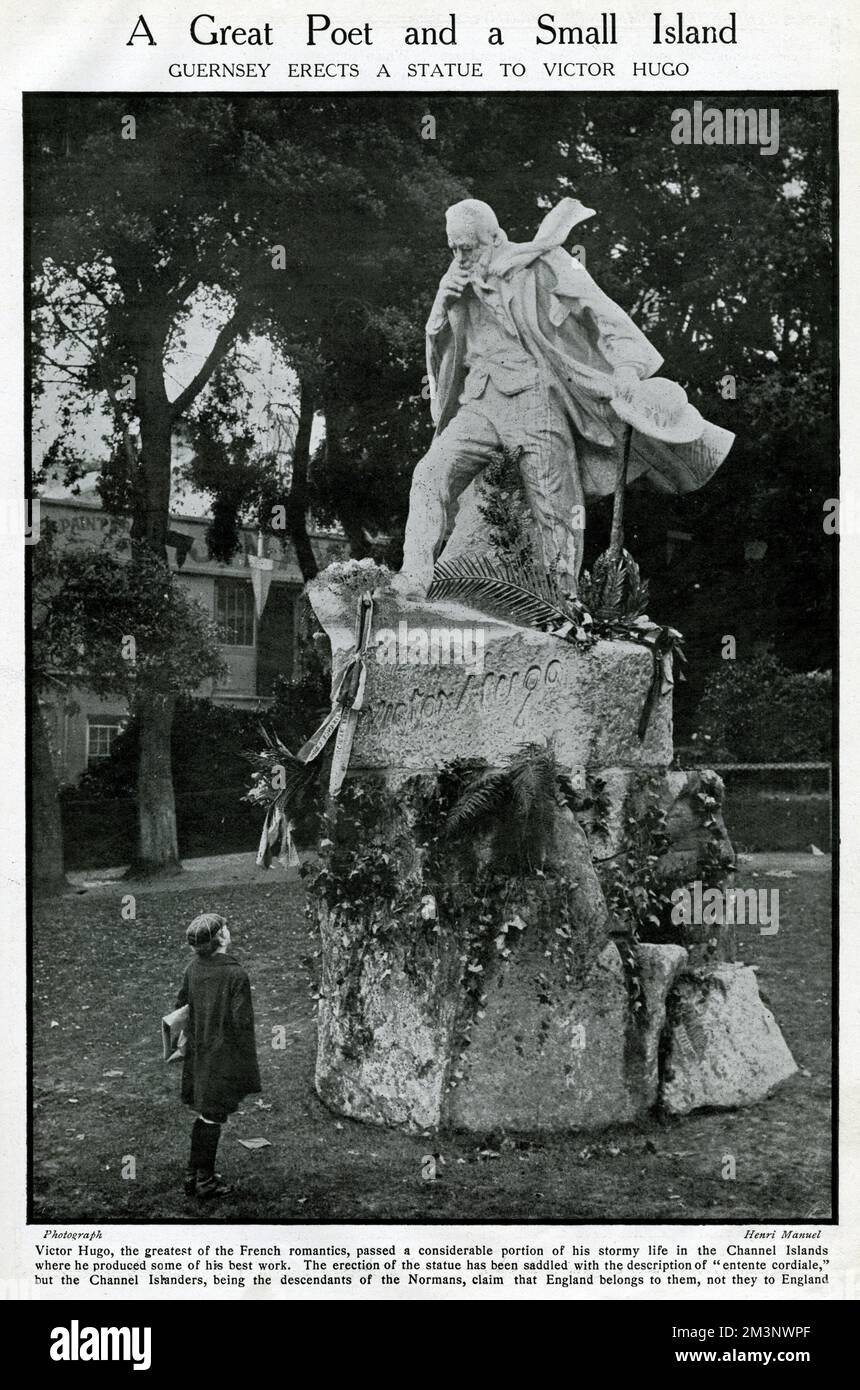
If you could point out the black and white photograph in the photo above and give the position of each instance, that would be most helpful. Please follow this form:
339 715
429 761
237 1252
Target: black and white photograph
432 656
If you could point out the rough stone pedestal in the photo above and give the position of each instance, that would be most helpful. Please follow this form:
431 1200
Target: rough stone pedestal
466 985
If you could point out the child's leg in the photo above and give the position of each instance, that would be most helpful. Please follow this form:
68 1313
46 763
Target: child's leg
197 1154
209 1136
207 1181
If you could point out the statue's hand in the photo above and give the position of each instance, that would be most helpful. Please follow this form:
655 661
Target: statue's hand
453 283
625 379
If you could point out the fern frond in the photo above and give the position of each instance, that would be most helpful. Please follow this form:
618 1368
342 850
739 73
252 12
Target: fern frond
481 796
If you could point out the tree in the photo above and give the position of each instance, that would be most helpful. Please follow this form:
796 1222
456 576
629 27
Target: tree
353 199
119 627
135 217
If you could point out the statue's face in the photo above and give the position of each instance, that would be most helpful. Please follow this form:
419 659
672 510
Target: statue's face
471 247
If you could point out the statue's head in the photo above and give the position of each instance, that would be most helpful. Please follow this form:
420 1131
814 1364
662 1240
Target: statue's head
473 232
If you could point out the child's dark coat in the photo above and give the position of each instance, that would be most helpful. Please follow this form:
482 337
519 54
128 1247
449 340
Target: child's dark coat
220 1064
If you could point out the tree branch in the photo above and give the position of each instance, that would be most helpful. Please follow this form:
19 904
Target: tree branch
223 341
72 369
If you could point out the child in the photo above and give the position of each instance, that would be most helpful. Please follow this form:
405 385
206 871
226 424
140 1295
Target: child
220 1065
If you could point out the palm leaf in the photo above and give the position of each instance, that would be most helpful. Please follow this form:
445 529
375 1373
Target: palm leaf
519 593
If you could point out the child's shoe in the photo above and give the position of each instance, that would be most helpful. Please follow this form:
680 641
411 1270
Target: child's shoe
210 1185
192 1178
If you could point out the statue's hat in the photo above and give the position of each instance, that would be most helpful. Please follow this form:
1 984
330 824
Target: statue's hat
659 409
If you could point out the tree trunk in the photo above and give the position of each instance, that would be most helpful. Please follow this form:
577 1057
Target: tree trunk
157 846
47 860
359 547
147 327
157 850
151 517
297 501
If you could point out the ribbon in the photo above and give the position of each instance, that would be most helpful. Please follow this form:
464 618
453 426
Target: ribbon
347 702
663 648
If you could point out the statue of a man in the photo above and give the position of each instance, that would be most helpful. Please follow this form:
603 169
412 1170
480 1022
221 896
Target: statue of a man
524 350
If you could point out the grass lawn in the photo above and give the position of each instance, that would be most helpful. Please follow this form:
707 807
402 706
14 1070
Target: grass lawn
102 1093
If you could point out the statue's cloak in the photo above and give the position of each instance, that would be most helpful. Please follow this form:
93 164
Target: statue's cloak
579 336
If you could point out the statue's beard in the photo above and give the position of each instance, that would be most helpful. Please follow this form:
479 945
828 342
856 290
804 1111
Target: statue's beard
480 266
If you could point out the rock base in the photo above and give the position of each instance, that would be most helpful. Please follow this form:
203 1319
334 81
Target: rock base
584 1062
479 980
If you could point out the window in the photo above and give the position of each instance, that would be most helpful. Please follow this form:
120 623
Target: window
101 733
234 612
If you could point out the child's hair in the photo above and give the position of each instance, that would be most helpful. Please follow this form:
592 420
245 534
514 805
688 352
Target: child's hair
204 932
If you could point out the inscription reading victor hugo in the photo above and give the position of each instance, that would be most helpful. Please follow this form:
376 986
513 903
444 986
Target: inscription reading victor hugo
486 691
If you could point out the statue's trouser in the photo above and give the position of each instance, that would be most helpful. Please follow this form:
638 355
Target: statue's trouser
529 419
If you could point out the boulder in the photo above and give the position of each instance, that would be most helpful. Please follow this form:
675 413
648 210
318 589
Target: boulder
723 1045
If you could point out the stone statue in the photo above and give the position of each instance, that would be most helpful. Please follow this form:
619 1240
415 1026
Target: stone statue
482 971
524 350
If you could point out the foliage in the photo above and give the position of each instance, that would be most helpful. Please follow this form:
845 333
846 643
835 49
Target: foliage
393 874
291 791
727 265
94 968
523 798
300 701
760 711
504 506
522 593
209 771
637 883
725 260
117 625
283 784
614 589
